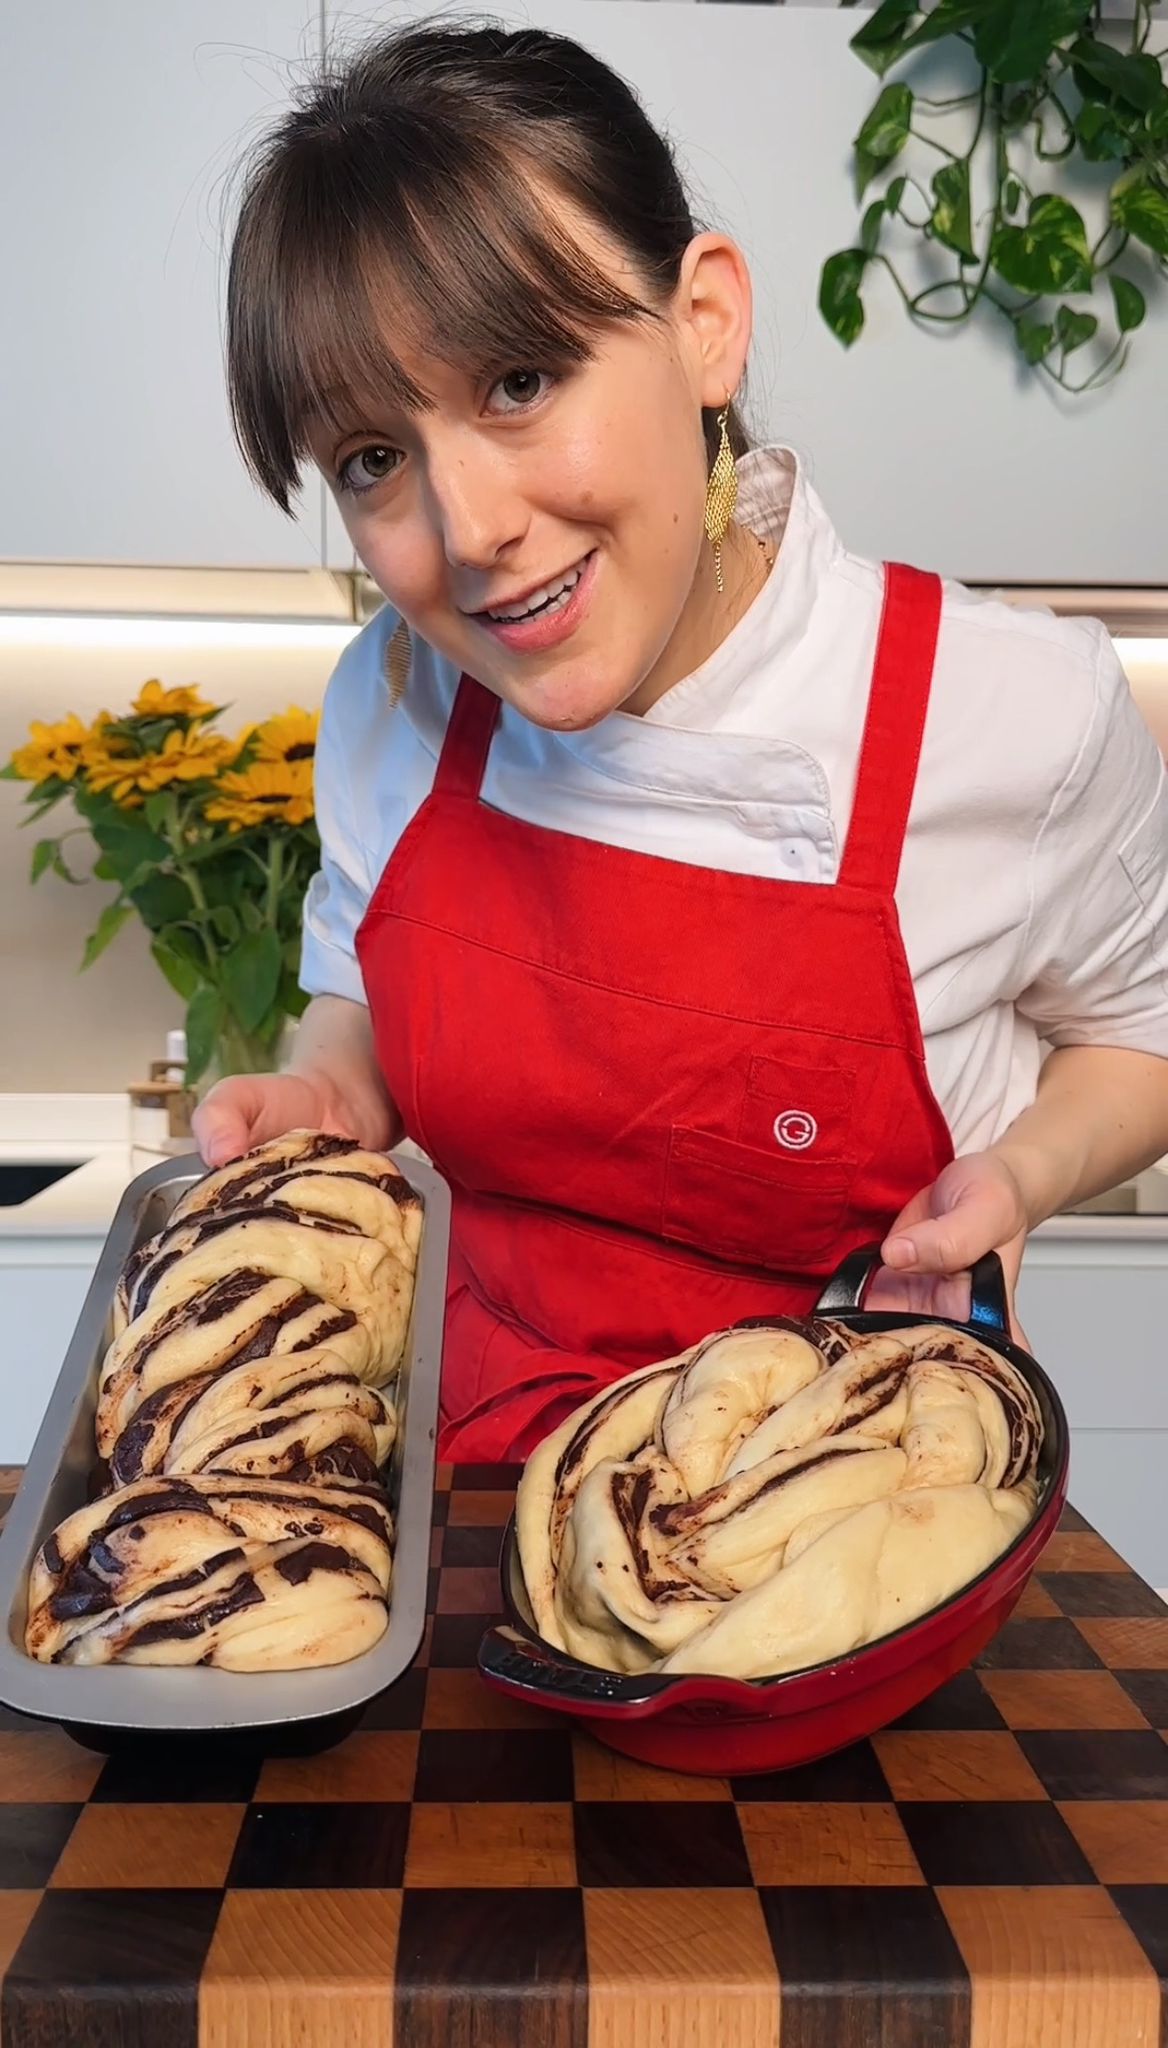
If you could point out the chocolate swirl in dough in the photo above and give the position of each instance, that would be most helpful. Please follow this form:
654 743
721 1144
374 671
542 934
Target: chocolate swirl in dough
785 1492
249 1575
242 1392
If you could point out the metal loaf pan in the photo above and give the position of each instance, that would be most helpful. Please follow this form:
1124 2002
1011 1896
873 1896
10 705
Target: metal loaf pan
103 1701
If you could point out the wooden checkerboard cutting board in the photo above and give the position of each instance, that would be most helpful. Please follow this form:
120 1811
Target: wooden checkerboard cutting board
462 1873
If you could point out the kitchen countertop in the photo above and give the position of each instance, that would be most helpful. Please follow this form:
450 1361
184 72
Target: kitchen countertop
991 1873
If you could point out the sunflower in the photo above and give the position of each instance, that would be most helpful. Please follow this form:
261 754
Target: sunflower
53 752
183 701
267 791
290 736
190 756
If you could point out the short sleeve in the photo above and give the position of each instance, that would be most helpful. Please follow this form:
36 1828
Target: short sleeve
1096 961
339 892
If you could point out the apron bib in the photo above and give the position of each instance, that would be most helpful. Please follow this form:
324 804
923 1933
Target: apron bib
665 1097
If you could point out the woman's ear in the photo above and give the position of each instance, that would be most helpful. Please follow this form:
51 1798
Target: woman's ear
714 308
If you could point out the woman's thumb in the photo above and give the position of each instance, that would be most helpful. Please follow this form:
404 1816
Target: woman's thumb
959 1231
222 1126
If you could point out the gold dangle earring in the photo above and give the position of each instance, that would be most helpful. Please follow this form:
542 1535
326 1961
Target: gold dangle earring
397 663
721 493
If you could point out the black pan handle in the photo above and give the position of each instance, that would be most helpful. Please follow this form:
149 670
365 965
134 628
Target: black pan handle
505 1653
988 1308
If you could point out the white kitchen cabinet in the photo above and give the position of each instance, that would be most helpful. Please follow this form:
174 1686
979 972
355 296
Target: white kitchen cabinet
43 1285
1093 1300
122 127
942 452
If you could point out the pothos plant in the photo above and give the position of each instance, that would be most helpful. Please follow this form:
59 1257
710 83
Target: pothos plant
1048 95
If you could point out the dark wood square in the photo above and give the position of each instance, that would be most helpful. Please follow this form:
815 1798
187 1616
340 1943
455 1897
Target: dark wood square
463 1543
492 1969
171 1769
853 1773
1103 1596
485 1478
1149 1690
1038 1646
1145 1909
31 1840
91 1959
861 1965
455 1641
998 1842
1110 1763
495 1763
963 1704
303 1847
441 1510
635 1845
400 1705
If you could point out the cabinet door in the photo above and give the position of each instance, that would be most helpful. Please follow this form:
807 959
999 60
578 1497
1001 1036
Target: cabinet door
941 451
122 127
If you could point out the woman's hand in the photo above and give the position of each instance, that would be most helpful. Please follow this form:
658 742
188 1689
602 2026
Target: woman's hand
976 1205
248 1109
334 1085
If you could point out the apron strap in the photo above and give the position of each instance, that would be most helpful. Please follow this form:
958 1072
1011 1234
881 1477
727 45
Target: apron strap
463 759
898 704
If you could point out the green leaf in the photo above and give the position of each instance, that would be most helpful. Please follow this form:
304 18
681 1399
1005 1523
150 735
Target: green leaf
870 227
881 40
1073 329
839 294
44 854
1035 341
1014 38
894 195
183 978
1135 80
948 19
884 133
225 923
205 1014
127 842
951 217
1130 303
1103 137
157 810
1012 196
108 925
160 900
1142 209
1049 254
8 773
251 975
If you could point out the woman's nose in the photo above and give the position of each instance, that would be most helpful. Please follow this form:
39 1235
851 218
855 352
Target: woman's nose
478 512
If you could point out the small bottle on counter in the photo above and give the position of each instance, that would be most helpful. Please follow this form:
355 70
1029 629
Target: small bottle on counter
161 1108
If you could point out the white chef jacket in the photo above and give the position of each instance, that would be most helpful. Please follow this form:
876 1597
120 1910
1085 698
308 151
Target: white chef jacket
1033 892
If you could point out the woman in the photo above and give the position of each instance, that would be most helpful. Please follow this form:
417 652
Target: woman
699 896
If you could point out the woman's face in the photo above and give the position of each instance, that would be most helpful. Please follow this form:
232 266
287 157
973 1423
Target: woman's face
545 532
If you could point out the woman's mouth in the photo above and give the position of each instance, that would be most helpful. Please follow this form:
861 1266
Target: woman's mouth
546 616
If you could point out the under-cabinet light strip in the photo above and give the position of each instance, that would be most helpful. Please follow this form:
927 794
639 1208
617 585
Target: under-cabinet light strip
106 629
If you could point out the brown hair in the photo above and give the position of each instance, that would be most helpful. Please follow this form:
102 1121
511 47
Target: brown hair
417 164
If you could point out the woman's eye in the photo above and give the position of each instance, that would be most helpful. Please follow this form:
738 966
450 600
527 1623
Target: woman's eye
367 467
522 388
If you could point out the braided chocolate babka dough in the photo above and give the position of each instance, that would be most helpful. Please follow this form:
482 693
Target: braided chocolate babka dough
249 1575
256 1339
783 1493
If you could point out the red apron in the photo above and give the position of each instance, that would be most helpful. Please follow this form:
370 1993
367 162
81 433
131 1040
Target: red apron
665 1097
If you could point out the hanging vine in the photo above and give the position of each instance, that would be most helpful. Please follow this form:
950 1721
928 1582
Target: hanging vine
1046 89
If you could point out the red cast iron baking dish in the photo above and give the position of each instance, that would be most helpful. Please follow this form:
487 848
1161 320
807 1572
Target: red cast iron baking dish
731 1726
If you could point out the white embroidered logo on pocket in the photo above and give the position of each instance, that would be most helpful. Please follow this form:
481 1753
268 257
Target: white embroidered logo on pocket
796 1129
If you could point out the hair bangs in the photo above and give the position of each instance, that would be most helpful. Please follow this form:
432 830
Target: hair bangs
347 276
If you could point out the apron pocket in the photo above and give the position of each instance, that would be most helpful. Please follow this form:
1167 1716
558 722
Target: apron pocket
735 1201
